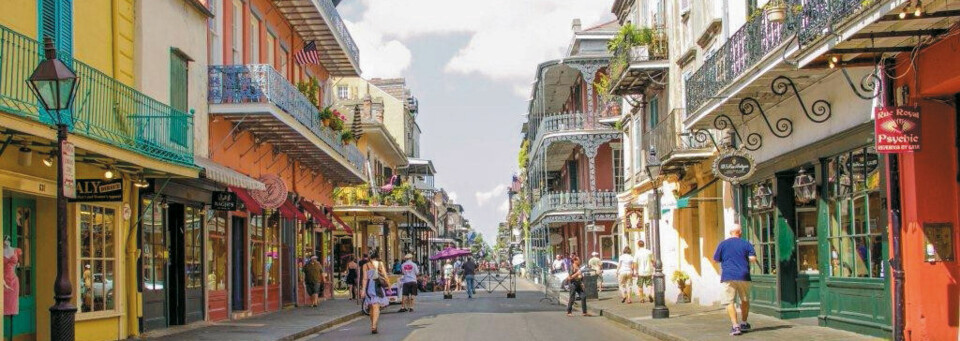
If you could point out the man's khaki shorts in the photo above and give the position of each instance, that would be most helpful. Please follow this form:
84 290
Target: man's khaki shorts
735 289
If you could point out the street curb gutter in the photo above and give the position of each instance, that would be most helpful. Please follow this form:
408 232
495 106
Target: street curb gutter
626 322
320 327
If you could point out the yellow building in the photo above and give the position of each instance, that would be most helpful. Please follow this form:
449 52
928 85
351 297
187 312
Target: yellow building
123 138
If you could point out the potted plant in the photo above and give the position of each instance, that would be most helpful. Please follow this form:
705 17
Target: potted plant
336 123
776 11
681 278
363 194
346 136
325 115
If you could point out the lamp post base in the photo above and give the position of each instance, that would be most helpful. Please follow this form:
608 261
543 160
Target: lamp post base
660 310
62 316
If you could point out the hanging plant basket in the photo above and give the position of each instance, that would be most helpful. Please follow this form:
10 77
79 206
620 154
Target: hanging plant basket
776 12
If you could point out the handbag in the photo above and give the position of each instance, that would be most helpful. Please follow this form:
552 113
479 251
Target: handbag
381 282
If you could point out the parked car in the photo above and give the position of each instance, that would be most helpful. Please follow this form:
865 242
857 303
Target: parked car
608 275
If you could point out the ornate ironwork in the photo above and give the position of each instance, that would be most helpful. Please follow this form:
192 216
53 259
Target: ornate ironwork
821 109
753 141
784 125
758 37
597 200
703 135
868 84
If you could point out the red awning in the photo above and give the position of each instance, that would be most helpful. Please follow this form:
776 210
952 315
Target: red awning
248 201
317 214
342 224
289 211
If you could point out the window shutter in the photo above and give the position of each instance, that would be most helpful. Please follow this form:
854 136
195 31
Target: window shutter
178 99
56 22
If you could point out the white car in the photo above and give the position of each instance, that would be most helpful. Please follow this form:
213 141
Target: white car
608 276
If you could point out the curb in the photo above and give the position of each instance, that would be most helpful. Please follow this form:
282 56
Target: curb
321 327
617 318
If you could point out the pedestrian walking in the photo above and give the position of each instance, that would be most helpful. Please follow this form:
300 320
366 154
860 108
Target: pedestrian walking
458 275
313 279
596 265
469 270
396 266
373 292
734 255
351 276
576 287
626 267
447 276
644 260
409 283
558 264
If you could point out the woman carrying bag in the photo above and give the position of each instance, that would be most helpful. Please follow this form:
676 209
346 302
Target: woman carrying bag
373 291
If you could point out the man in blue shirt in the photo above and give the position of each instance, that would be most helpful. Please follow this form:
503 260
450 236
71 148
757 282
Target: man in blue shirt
734 255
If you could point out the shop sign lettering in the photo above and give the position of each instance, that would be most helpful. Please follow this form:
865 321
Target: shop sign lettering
67 162
897 129
224 201
97 190
733 166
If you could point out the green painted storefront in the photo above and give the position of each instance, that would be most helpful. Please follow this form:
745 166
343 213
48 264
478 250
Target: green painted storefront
827 257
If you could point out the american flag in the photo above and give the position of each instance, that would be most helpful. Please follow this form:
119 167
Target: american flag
308 55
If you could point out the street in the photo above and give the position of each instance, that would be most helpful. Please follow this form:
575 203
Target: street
487 317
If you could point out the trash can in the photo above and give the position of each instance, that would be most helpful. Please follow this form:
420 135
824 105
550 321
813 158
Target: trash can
590 286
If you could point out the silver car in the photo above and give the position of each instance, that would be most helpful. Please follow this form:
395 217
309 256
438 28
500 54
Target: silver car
608 275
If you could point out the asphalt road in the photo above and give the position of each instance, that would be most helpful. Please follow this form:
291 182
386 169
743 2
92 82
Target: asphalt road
487 317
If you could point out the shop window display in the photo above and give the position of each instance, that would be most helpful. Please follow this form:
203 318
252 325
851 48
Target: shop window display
856 232
193 243
217 250
97 258
761 224
256 251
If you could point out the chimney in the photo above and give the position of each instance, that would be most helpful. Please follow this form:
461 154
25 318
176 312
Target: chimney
576 25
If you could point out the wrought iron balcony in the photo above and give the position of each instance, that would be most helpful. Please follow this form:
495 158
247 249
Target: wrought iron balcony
104 109
562 201
674 147
234 86
753 42
633 67
319 21
570 122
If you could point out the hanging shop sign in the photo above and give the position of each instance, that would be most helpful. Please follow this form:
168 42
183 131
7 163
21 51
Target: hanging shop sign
224 201
67 163
273 195
90 190
897 129
734 166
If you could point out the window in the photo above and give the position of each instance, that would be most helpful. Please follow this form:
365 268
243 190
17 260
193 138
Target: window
637 145
192 246
343 92
282 62
272 244
761 226
154 246
98 259
856 214
572 175
296 73
618 168
271 52
654 110
217 250
215 25
256 251
254 40
237 28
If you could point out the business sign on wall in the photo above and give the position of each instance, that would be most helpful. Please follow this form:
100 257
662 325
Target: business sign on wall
733 166
897 129
224 201
93 190
275 193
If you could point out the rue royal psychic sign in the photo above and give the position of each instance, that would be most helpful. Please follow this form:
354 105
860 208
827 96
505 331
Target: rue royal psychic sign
92 190
734 166
897 129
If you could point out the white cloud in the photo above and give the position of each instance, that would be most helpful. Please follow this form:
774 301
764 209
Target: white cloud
504 206
507 38
484 197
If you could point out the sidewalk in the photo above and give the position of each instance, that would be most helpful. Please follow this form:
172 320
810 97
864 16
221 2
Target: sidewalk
695 322
288 324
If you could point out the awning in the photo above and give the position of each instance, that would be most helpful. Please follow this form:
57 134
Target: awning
289 211
223 174
317 214
684 200
248 201
342 224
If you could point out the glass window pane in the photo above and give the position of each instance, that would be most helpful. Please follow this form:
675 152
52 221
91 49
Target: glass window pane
86 286
108 286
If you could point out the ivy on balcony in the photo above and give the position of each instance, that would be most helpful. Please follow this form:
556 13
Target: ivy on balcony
633 43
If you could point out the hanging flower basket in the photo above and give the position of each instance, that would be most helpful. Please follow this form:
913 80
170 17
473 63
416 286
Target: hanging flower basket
776 11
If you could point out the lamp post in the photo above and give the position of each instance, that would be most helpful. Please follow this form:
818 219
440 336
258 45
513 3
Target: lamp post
660 309
55 85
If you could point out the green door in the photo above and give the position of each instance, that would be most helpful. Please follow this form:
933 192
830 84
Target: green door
19 222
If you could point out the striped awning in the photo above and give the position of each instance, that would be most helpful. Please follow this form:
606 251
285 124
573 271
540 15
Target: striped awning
223 174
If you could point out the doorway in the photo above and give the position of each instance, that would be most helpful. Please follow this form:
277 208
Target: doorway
238 286
19 229
153 239
289 263
185 297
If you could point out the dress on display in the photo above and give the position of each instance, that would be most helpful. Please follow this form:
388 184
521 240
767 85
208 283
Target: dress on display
11 291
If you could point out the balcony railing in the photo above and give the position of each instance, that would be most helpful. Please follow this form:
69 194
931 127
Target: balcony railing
259 83
559 201
573 122
339 29
625 55
808 19
667 139
104 109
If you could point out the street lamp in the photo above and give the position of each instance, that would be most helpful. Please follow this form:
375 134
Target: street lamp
55 84
660 309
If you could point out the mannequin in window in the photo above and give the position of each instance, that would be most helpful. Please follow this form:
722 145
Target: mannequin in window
11 283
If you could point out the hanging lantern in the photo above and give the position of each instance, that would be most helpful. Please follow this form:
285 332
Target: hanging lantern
804 187
763 197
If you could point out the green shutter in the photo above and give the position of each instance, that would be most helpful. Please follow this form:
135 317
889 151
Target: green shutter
56 21
178 99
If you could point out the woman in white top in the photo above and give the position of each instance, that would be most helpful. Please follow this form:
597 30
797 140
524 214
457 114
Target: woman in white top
626 271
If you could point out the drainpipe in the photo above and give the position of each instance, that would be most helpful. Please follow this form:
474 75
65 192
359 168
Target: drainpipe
896 261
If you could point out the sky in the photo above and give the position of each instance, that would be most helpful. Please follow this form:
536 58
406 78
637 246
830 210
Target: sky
471 65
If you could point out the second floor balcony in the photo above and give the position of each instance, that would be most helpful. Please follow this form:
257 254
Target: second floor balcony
104 109
676 148
261 101
570 123
638 62
573 202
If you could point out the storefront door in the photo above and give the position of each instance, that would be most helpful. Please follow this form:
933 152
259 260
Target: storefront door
185 297
154 265
19 221
289 263
238 283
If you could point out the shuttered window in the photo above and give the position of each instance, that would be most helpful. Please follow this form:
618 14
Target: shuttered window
56 21
178 98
